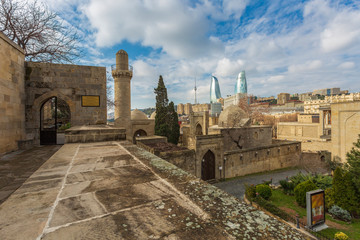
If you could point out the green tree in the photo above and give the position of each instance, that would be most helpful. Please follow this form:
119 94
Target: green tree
353 159
166 119
344 191
161 127
174 132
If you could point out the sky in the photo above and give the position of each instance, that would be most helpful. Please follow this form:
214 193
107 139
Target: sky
284 46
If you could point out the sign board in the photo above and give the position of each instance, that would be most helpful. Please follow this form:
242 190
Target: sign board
90 101
315 206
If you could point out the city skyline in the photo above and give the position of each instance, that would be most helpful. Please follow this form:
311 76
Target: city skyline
284 46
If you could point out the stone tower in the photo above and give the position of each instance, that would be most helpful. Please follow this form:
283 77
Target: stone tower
122 75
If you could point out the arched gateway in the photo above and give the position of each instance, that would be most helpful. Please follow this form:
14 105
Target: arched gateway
55 117
208 166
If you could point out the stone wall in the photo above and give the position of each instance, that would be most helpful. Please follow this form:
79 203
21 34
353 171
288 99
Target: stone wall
298 131
315 161
250 137
12 95
184 158
281 154
69 83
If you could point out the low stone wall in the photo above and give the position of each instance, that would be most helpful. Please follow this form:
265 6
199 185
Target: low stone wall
281 154
182 158
315 161
93 133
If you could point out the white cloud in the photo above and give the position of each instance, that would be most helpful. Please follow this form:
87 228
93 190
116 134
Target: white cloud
347 65
310 65
226 67
179 30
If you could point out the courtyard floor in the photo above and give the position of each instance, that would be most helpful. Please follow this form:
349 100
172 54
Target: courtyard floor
17 167
114 190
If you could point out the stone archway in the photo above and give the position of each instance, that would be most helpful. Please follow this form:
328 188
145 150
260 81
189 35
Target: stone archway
139 133
198 129
33 115
55 117
208 166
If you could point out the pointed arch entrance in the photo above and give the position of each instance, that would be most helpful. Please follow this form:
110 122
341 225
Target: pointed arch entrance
208 166
55 117
198 130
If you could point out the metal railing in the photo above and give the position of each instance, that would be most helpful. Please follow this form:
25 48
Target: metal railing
113 67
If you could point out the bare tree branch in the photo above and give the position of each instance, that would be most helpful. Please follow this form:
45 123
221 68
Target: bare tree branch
42 34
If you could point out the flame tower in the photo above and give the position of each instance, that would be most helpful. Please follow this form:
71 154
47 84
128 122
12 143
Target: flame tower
214 90
241 85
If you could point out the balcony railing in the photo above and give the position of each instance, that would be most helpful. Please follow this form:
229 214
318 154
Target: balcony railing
113 67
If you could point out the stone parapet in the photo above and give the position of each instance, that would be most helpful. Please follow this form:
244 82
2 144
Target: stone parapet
86 134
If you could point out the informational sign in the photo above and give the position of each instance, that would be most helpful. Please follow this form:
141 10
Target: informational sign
90 101
315 206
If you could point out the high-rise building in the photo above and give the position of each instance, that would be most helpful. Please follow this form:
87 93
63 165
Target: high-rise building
214 90
241 85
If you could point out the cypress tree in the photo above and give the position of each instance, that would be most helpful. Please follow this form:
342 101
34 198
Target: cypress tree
161 127
173 125
166 119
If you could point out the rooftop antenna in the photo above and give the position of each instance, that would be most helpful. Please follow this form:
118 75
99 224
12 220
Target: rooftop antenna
195 89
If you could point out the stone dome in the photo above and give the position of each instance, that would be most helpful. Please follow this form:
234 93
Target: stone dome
138 115
152 116
233 116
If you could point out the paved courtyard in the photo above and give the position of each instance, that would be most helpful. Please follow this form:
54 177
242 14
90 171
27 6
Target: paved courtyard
17 167
114 190
236 187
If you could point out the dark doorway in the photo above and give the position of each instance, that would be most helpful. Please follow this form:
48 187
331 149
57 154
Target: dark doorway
198 130
139 133
54 120
208 166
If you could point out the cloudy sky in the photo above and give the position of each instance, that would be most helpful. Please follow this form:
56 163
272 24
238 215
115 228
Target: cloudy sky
284 46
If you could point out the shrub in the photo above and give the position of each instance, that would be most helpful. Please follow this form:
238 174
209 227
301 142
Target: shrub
264 191
329 198
341 236
268 206
250 191
300 192
287 186
344 192
339 213
299 178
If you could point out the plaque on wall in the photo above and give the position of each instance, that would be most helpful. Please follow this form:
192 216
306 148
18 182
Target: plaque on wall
90 101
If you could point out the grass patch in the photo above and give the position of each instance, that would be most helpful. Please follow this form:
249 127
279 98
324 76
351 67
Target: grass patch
280 199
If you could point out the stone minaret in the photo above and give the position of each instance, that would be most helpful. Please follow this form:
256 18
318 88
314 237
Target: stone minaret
122 75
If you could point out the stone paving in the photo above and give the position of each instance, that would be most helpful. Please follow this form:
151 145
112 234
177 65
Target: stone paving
114 190
236 187
17 167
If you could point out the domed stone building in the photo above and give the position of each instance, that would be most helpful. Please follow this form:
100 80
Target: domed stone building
233 116
141 125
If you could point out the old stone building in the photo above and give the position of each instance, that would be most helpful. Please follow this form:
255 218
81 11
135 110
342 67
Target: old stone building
333 129
283 98
36 98
234 147
40 100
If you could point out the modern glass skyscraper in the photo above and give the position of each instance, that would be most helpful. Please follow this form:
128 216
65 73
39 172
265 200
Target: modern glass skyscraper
214 90
241 85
